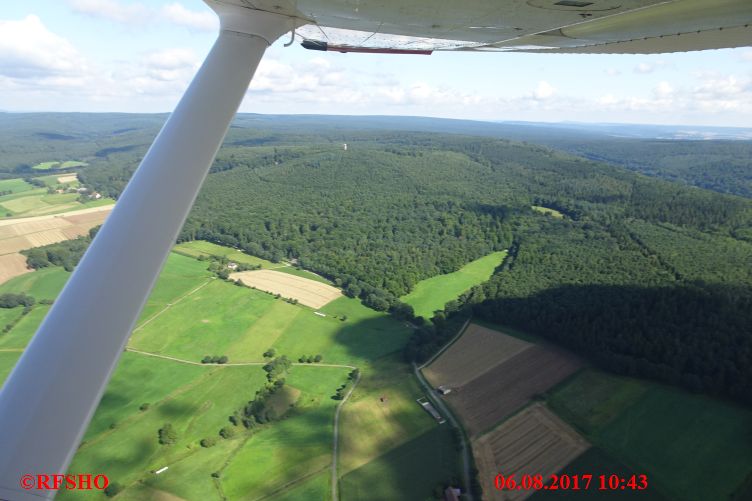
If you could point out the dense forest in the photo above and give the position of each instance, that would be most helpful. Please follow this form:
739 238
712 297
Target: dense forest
644 276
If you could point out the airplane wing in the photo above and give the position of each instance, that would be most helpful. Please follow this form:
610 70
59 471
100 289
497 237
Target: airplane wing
559 26
49 398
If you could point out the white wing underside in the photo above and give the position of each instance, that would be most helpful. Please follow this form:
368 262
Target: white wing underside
592 26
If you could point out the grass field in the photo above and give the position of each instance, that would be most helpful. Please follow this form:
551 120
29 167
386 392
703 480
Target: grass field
7 361
197 407
673 436
433 293
42 284
38 202
372 427
15 185
68 164
410 471
191 314
292 449
46 165
545 210
198 248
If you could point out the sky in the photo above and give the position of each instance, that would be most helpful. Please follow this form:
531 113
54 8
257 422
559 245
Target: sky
139 56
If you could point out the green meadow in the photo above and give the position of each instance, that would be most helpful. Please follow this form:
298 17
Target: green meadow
433 293
15 185
38 202
197 248
68 164
691 447
547 211
190 314
414 469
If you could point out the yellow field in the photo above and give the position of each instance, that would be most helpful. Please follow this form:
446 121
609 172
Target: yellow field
307 292
69 178
25 233
534 442
477 351
12 265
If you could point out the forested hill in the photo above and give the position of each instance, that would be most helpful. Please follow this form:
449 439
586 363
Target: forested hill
117 141
644 276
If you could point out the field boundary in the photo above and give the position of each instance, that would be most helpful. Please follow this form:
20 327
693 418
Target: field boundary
335 480
170 305
447 345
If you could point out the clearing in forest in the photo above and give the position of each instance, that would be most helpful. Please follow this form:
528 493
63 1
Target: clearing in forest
433 293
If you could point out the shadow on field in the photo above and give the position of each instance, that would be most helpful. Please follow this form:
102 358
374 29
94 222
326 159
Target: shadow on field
175 409
374 338
695 336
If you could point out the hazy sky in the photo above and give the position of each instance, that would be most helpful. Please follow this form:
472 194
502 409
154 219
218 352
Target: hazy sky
138 56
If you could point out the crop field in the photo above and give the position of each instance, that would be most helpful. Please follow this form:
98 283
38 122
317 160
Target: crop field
307 292
12 265
478 350
533 442
497 393
67 178
26 233
671 435
433 293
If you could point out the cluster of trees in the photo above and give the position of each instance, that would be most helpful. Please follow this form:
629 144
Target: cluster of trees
219 266
214 359
345 387
310 359
167 434
257 411
430 337
277 368
66 254
11 300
